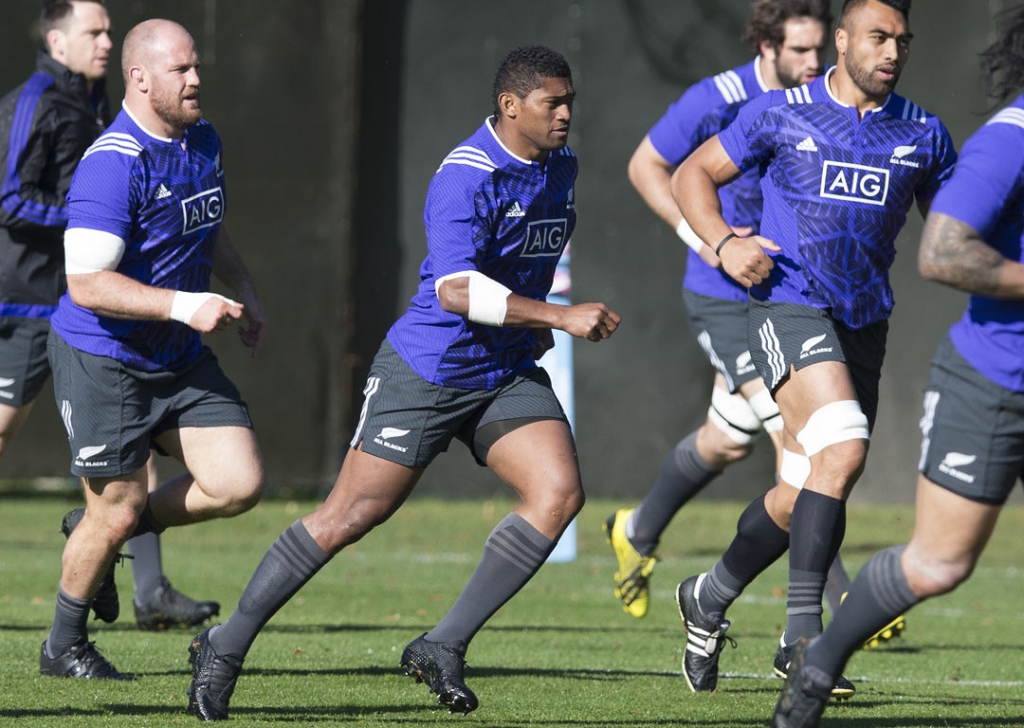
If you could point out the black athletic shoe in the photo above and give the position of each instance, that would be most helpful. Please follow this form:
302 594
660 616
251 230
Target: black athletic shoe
440 666
802 702
105 604
704 637
213 679
81 660
170 608
842 690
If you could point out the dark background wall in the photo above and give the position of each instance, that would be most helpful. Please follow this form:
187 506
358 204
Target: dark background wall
335 114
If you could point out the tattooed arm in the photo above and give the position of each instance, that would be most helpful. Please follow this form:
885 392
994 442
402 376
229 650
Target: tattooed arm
953 253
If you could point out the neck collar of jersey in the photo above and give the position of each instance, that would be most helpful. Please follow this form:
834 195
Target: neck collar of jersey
489 123
131 116
828 90
758 76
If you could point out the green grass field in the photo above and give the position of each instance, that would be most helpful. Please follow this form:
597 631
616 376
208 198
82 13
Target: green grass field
562 653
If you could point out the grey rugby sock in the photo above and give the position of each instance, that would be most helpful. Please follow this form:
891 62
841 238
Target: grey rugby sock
146 566
69 623
514 552
683 475
879 594
292 561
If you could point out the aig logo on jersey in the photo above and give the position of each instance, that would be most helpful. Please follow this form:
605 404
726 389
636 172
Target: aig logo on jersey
854 182
545 238
202 210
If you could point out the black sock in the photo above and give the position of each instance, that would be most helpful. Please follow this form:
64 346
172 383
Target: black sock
759 542
513 553
69 623
815 533
147 522
879 594
146 566
292 561
683 475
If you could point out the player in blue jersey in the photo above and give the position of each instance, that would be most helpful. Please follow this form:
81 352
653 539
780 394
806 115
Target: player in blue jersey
790 38
46 124
842 161
972 452
460 363
144 233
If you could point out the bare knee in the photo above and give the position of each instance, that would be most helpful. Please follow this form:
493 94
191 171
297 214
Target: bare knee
335 528
720 450
836 469
242 493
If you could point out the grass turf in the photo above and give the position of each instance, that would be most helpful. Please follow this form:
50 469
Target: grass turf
562 653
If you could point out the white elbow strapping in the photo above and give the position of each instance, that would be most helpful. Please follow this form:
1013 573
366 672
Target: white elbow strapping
834 423
733 415
688 236
90 251
488 299
795 468
767 410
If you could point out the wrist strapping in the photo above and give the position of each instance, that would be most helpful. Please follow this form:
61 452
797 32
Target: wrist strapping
185 304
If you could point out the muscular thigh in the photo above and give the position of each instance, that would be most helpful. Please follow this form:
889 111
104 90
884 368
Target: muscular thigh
972 431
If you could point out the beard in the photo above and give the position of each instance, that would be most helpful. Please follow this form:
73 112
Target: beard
171 109
867 82
787 77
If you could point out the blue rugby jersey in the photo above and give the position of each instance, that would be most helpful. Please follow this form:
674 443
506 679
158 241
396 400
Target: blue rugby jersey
506 217
837 189
987 193
703 110
167 203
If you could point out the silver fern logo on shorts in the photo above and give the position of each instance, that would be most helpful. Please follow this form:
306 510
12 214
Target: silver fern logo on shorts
952 463
807 349
389 433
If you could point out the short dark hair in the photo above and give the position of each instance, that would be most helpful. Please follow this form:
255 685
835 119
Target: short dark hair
525 68
768 20
902 6
1003 61
54 12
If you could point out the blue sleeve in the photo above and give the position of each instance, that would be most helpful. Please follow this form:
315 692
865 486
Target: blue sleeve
103 194
944 160
676 134
986 177
457 221
750 139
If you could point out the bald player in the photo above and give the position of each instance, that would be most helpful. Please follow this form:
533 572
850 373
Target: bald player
145 231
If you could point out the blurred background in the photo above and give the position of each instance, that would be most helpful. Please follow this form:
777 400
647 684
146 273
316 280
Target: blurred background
335 115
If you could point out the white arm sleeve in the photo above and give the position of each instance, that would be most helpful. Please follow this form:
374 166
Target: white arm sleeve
487 298
90 251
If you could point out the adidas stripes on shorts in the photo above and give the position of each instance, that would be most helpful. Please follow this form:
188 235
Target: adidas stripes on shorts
720 327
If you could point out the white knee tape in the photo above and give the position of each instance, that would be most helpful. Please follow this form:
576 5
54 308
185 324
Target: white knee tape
834 423
733 415
795 468
767 410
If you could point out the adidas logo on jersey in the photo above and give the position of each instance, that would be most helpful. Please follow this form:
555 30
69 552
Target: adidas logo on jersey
515 210
952 463
807 145
162 192
899 153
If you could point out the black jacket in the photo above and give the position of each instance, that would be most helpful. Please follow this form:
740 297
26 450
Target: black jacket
46 124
